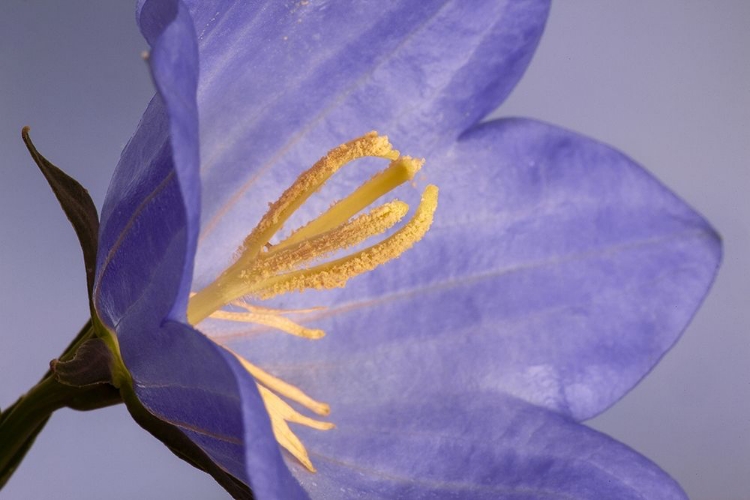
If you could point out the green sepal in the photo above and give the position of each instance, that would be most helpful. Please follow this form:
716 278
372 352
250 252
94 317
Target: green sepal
91 365
182 446
90 369
77 205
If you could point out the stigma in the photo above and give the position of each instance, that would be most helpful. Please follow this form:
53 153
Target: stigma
310 258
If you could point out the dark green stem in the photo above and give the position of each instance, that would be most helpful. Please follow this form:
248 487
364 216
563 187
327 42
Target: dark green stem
24 420
86 333
21 422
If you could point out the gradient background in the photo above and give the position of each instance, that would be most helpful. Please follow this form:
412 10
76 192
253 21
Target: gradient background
668 82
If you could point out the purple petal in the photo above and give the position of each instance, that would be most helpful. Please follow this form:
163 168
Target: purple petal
557 271
149 231
187 380
475 446
152 210
281 84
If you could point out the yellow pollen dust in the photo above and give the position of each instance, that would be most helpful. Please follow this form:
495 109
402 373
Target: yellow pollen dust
263 270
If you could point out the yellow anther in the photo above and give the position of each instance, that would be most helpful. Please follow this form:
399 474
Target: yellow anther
228 287
335 274
399 171
308 183
376 222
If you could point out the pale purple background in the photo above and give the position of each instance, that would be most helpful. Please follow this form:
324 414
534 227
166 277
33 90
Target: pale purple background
668 82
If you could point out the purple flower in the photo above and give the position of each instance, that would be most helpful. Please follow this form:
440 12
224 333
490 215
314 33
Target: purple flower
554 277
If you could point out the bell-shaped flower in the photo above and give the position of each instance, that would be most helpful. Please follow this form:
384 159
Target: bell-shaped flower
543 273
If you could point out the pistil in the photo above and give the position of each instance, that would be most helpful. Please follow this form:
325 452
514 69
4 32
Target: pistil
263 270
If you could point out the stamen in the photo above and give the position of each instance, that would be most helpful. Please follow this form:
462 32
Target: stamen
399 171
308 183
264 271
285 389
224 289
290 414
279 322
335 274
378 221
269 310
281 413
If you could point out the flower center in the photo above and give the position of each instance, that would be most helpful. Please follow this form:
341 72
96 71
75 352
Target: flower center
299 262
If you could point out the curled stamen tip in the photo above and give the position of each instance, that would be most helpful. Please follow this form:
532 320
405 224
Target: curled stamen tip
305 461
373 144
396 209
314 334
376 138
322 409
411 165
312 423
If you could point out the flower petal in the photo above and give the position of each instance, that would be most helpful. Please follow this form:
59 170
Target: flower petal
557 271
152 209
149 231
476 446
281 84
186 380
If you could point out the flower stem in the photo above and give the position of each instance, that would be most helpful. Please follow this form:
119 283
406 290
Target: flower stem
21 422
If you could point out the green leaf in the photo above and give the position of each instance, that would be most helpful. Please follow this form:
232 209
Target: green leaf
77 205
